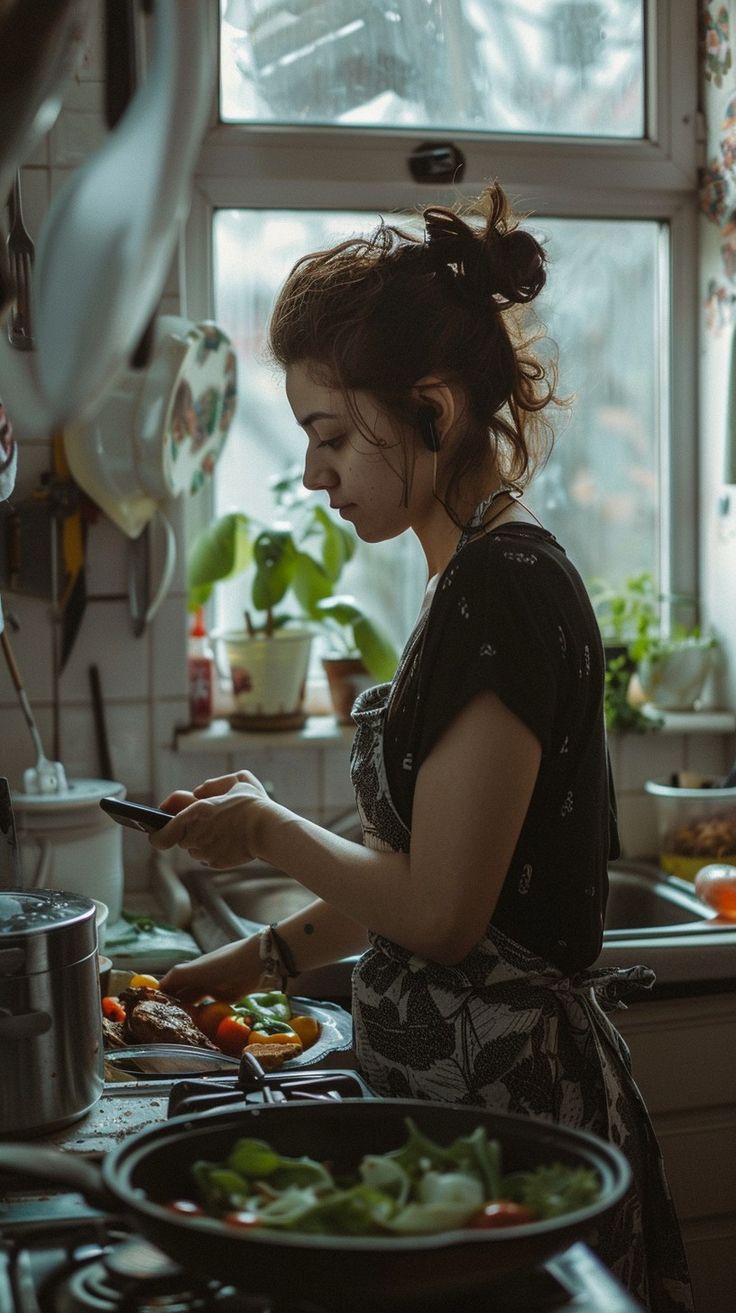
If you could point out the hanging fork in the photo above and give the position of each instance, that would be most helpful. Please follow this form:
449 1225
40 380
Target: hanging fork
20 258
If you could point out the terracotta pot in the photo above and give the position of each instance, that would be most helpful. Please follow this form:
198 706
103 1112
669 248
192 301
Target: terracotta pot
347 677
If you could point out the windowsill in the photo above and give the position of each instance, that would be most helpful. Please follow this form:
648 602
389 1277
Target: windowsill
219 737
321 731
710 720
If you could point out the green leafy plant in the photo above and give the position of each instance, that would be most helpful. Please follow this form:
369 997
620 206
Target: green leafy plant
300 559
631 619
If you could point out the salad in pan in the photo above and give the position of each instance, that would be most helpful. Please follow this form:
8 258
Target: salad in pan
420 1188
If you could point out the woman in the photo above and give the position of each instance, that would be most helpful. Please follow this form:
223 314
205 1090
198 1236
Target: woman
481 771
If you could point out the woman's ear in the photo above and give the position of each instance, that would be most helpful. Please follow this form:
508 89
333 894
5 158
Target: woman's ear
436 410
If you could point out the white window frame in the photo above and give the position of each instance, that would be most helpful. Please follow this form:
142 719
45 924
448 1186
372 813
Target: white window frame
272 167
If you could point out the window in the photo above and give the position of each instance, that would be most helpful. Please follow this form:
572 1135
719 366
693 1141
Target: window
533 66
323 105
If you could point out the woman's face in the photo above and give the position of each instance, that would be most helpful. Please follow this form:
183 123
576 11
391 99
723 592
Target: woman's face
363 476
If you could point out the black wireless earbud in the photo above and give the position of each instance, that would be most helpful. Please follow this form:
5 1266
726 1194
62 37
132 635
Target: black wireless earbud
426 417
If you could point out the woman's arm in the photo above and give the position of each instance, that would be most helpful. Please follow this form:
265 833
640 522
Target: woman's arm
316 936
472 794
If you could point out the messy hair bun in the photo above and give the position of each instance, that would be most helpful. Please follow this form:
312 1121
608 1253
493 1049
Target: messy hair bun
499 260
378 313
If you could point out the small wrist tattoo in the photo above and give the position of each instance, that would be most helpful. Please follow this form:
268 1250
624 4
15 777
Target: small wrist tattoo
308 928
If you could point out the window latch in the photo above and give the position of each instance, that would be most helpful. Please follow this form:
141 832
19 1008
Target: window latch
437 162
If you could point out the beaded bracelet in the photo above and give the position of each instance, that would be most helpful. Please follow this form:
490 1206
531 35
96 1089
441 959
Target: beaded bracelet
276 957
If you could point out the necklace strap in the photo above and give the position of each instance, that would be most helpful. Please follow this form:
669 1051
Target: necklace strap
478 522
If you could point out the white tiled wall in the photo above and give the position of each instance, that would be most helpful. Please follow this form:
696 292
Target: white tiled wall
143 679
636 758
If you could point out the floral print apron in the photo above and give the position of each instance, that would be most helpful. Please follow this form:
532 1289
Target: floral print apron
506 1030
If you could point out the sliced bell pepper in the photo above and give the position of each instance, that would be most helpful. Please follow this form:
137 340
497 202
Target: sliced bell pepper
272 1006
272 1028
278 1037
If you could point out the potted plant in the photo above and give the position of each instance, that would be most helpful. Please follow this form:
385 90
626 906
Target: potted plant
646 662
301 560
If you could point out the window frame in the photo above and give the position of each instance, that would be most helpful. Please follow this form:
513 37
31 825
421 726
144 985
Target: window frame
654 177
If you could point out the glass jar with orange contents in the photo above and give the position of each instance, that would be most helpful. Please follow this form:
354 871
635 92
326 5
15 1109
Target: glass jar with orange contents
696 827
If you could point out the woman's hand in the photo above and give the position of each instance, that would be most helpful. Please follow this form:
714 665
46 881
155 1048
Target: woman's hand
216 823
227 972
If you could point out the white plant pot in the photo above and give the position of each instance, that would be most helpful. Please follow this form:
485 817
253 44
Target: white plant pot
673 679
268 677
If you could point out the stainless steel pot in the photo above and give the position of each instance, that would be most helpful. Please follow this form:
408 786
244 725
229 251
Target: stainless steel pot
51 1052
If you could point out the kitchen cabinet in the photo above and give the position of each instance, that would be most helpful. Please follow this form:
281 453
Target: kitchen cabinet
684 1061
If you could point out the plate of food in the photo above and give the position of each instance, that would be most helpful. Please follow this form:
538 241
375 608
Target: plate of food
141 1024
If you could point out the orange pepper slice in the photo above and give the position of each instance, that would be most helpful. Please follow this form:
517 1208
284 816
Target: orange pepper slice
306 1028
257 1037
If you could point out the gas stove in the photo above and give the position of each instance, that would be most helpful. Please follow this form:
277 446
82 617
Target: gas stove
60 1255
65 1258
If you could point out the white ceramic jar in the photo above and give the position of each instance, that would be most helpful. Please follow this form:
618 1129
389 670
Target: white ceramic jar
67 842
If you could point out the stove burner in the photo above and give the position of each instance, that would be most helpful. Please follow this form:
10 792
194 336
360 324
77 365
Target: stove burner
136 1277
248 1087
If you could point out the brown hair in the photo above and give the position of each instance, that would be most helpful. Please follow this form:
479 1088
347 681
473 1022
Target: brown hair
378 313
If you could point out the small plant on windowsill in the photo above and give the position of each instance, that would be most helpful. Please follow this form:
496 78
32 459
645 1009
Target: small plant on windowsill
300 558
644 663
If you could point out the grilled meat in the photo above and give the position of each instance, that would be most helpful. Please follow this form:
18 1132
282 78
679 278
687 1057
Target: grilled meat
130 998
112 1034
153 1021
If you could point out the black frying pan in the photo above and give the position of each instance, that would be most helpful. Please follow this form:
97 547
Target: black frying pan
153 1167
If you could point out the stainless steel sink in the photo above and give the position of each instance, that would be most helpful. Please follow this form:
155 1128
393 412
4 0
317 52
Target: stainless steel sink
643 899
652 918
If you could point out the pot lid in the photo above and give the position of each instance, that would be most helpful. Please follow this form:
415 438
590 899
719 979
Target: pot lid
79 793
28 912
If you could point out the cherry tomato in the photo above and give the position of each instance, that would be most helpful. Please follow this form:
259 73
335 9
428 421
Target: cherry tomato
209 1016
243 1219
113 1009
232 1035
185 1208
716 886
502 1212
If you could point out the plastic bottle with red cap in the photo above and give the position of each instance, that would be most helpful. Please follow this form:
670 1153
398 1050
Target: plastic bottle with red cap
200 669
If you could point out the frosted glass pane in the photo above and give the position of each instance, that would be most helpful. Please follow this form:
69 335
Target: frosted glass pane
559 67
600 491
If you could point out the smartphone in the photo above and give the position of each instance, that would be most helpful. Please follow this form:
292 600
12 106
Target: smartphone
135 814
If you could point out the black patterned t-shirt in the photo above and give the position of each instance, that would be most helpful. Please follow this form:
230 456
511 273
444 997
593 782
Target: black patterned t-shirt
511 613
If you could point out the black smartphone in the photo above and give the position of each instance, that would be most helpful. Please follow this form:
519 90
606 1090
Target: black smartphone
135 814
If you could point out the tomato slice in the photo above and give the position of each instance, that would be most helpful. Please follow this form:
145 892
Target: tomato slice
243 1219
499 1213
185 1208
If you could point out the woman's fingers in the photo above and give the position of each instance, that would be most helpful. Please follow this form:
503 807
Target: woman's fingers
177 801
226 972
222 784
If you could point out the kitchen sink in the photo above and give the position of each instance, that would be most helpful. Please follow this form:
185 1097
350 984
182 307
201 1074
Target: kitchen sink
643 899
652 918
